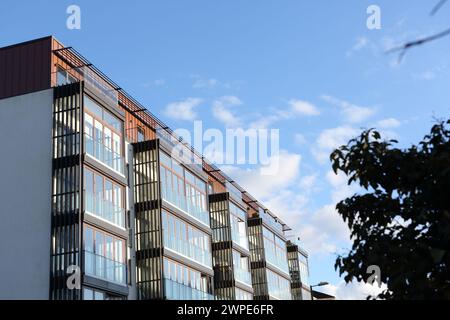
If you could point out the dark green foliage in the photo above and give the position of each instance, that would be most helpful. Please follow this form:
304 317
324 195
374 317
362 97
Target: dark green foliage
401 220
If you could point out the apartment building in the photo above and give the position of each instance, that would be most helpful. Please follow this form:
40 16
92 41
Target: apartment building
101 188
299 271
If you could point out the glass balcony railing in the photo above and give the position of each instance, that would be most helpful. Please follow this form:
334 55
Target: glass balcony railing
238 238
267 218
182 149
243 275
187 249
104 154
104 268
184 205
104 209
279 262
101 87
179 291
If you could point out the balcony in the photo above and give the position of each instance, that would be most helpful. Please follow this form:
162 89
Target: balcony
239 238
186 206
277 261
104 268
187 249
271 221
104 154
179 291
243 276
104 209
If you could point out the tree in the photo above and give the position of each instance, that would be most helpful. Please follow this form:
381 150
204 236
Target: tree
400 221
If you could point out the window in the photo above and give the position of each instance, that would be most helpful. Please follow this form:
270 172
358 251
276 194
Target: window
238 225
243 295
63 77
185 239
241 268
184 283
140 135
183 189
103 135
304 272
93 294
279 287
104 198
275 250
103 254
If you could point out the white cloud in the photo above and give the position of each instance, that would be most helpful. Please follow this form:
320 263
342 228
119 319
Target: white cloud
352 113
353 290
256 183
155 83
331 139
221 110
361 43
308 182
427 75
200 83
300 139
295 108
300 107
330 222
183 110
389 123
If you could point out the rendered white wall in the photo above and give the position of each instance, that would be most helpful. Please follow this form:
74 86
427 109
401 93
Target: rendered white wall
25 195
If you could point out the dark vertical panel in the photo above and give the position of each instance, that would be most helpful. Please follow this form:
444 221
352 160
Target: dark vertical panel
222 247
257 259
25 67
66 193
147 198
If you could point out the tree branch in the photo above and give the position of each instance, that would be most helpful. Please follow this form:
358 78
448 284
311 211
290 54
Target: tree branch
438 7
404 48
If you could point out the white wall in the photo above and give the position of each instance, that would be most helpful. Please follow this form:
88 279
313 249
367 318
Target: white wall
25 195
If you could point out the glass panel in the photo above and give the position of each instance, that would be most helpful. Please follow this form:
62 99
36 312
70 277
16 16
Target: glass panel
112 121
93 107
88 294
89 133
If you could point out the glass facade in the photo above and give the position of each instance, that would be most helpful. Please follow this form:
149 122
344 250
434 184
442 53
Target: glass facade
104 256
103 135
279 287
184 283
304 272
104 198
238 226
241 268
275 250
182 189
186 240
93 294
243 295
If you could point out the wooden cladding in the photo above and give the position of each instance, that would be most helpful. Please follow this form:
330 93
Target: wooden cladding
66 191
148 224
25 67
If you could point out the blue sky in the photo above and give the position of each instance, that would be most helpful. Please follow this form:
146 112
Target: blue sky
311 67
